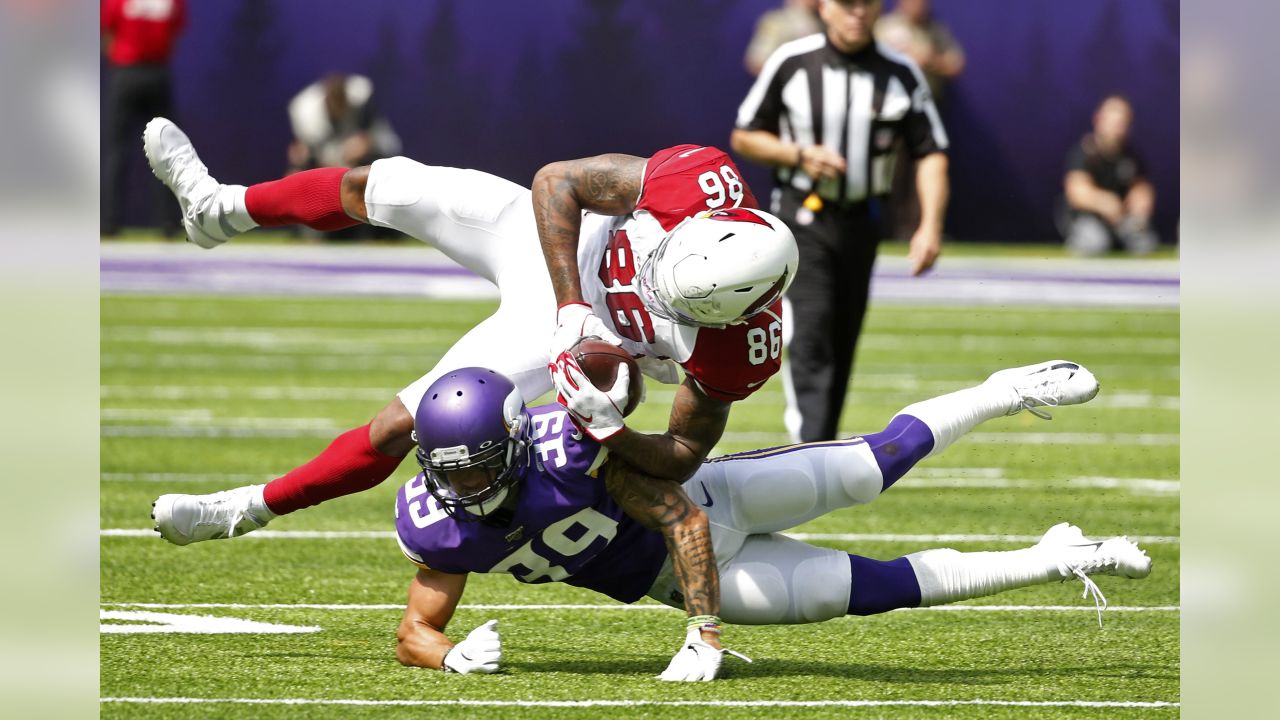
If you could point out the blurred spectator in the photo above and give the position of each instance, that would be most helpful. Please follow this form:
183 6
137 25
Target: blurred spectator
912 30
138 37
1109 201
795 19
335 124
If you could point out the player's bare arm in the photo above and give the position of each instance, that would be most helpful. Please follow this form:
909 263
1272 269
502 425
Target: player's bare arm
605 184
696 424
662 505
420 639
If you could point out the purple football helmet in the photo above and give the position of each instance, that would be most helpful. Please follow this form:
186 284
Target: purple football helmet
472 431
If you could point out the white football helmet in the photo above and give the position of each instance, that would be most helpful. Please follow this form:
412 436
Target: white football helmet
719 268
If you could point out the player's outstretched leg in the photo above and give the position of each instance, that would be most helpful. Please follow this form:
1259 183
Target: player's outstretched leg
950 416
350 464
946 575
213 212
777 489
774 579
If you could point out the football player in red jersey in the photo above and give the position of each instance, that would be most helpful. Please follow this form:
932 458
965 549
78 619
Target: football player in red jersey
665 256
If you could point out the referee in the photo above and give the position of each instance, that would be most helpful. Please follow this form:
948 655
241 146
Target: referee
825 113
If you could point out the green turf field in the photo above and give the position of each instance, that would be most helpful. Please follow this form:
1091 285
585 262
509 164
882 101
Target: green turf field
200 394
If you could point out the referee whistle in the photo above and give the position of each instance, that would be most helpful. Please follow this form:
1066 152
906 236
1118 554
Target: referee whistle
813 203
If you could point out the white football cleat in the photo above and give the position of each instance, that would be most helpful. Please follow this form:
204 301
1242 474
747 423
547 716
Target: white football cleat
1052 383
207 205
186 519
1078 556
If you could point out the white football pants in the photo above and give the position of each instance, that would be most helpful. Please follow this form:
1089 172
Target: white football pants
765 577
485 224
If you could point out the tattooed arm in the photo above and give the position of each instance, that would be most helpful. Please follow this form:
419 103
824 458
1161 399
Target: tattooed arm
662 505
697 421
605 184
610 185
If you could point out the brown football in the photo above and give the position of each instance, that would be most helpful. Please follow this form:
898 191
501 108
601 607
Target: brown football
600 361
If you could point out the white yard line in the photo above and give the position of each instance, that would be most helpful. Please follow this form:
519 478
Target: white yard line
1133 704
614 606
833 537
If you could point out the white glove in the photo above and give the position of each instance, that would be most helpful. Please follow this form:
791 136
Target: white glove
575 321
666 371
597 412
480 652
697 661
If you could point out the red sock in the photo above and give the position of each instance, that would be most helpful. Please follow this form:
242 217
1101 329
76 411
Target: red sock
349 465
311 197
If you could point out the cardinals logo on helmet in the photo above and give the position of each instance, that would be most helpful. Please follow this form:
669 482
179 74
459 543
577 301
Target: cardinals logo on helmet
737 215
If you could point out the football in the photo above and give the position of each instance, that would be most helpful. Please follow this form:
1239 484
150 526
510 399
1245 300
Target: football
600 361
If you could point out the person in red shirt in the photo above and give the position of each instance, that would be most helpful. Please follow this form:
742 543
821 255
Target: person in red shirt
138 37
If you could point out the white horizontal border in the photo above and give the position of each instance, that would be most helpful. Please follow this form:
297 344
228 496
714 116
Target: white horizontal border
647 703
832 537
614 606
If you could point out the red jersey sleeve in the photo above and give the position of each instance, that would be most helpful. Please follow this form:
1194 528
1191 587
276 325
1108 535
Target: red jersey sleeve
687 179
731 363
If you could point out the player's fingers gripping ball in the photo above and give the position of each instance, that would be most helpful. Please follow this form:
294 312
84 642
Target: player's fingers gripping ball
599 384
575 321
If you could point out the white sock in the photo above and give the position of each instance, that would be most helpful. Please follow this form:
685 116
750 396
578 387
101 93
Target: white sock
948 575
954 414
258 504
231 205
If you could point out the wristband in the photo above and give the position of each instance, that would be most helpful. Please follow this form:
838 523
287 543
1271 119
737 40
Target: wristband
702 621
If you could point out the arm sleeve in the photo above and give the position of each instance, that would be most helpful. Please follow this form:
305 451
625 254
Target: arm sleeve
923 128
762 108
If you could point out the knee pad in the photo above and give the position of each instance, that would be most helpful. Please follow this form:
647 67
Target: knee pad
753 593
777 580
820 588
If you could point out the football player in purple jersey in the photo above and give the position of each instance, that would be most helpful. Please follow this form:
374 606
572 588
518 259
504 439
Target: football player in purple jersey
507 489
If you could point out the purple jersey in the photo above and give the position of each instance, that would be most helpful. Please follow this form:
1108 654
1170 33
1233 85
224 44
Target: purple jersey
566 527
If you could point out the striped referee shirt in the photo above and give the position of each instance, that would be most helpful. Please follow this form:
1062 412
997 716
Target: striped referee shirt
810 93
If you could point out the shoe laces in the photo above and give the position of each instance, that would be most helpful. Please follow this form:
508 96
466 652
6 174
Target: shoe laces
1096 561
1043 394
1091 588
224 510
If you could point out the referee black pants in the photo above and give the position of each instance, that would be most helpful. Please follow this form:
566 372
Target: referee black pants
135 94
827 302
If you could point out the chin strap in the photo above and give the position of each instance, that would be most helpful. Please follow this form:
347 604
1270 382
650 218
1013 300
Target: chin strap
506 512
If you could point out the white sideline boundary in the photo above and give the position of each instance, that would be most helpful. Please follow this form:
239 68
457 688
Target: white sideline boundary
647 703
614 606
832 537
